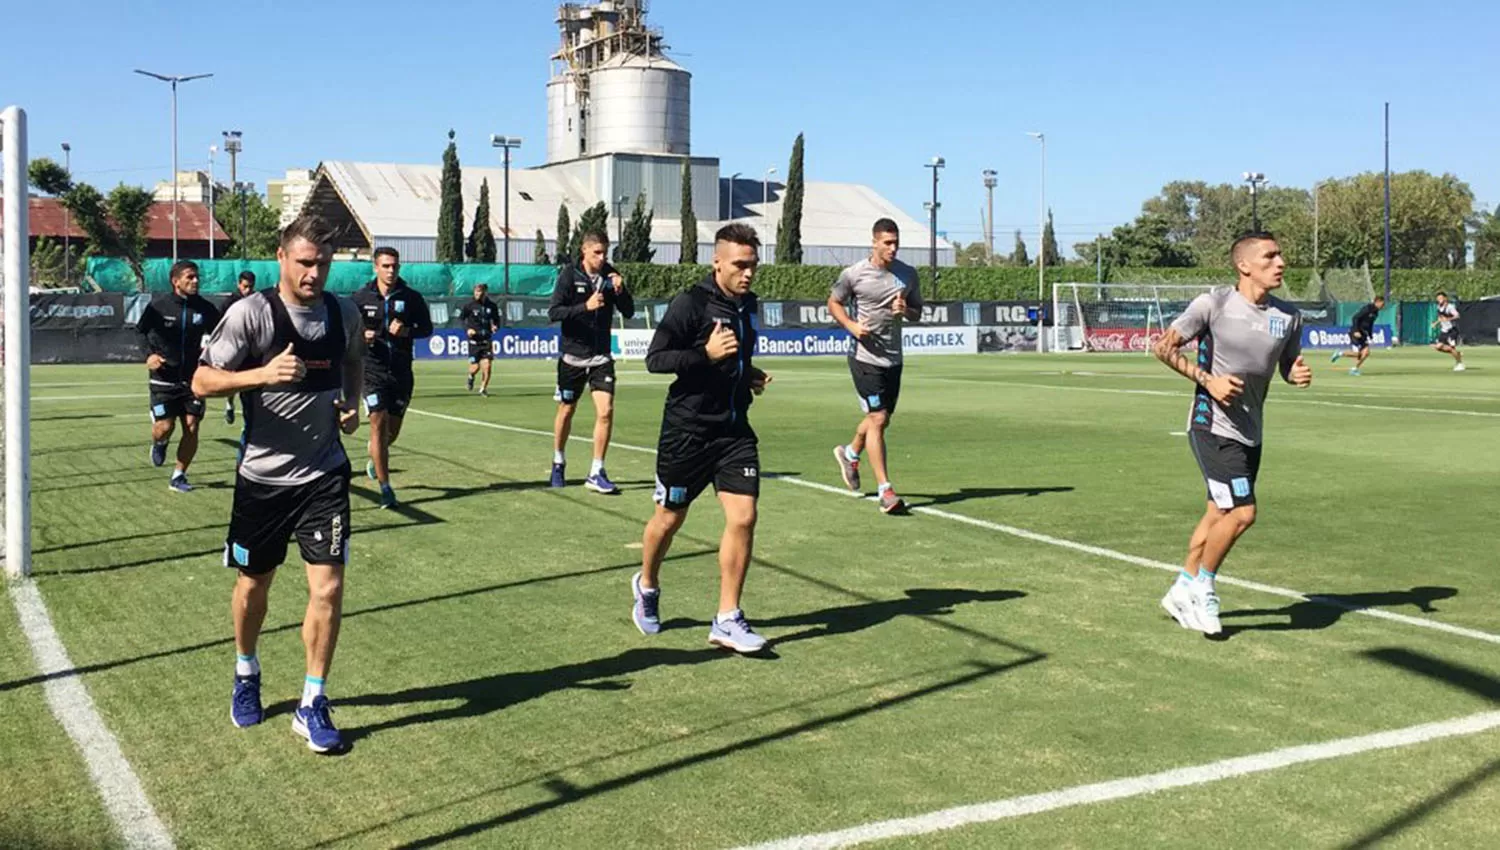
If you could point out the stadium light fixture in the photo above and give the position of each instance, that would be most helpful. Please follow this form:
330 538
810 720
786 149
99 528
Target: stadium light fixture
173 80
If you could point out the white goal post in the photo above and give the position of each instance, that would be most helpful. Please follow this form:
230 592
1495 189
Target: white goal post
15 302
1116 316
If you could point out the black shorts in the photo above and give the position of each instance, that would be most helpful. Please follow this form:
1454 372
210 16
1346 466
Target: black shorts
1229 468
878 387
1358 339
174 403
1448 338
388 393
265 517
686 464
481 348
572 379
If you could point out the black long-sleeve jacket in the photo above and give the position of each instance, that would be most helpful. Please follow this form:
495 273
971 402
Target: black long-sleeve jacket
174 327
708 399
585 332
392 354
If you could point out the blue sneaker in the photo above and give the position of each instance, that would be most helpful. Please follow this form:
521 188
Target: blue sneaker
244 706
1355 372
1336 356
647 608
735 634
600 483
370 470
557 475
387 497
158 453
314 723
179 484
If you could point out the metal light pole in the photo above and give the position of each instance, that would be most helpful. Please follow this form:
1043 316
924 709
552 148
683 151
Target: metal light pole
932 213
67 150
1388 202
1041 223
990 182
212 149
505 143
174 80
620 203
233 146
729 208
765 204
1316 186
1255 179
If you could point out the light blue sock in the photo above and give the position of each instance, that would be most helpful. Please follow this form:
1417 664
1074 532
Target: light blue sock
312 688
246 665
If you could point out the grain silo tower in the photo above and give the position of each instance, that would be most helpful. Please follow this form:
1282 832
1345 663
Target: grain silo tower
612 89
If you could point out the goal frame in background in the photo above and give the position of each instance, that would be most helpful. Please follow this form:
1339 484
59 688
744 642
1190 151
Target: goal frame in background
15 395
1077 306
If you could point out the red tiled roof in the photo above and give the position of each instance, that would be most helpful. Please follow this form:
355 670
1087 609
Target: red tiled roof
48 218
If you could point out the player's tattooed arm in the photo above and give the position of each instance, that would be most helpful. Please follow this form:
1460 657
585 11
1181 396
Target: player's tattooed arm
1168 349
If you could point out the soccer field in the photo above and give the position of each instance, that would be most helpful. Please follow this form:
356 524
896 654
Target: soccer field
994 667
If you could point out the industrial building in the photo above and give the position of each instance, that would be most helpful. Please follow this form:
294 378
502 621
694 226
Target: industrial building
619 125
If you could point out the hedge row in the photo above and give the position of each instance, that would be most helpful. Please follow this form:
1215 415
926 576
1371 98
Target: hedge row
783 282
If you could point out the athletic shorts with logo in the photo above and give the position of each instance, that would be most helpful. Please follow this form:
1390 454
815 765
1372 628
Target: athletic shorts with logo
481 348
174 402
266 517
878 387
1229 468
572 379
1448 338
686 464
388 393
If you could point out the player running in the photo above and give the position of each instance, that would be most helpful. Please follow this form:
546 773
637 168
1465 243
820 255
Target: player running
1244 336
172 328
882 291
481 320
706 339
1447 325
1361 331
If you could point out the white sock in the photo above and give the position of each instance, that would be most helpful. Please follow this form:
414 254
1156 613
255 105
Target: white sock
597 466
850 454
559 457
246 665
884 486
726 616
312 688
178 473
1206 576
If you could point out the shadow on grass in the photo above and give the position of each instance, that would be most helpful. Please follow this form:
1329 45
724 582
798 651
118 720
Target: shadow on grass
1464 678
966 494
1322 610
295 626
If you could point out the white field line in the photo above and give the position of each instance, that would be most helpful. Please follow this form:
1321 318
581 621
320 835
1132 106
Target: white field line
123 795
1035 537
1137 786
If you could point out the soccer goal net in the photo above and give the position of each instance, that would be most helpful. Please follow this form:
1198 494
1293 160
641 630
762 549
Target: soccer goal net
1116 316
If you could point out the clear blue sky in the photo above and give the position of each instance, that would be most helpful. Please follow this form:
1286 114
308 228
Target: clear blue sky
1130 95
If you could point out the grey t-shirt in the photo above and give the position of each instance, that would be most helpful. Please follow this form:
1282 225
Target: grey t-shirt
1250 341
867 292
296 440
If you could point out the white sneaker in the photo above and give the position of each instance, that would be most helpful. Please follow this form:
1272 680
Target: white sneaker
1179 602
1458 367
1206 607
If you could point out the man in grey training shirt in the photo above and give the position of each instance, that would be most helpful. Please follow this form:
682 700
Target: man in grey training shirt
295 356
882 291
1244 337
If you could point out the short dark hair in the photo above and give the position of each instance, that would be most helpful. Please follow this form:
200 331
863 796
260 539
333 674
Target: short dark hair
1246 238
1442 295
182 267
484 286
314 228
884 225
385 251
1379 297
248 275
595 237
739 234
